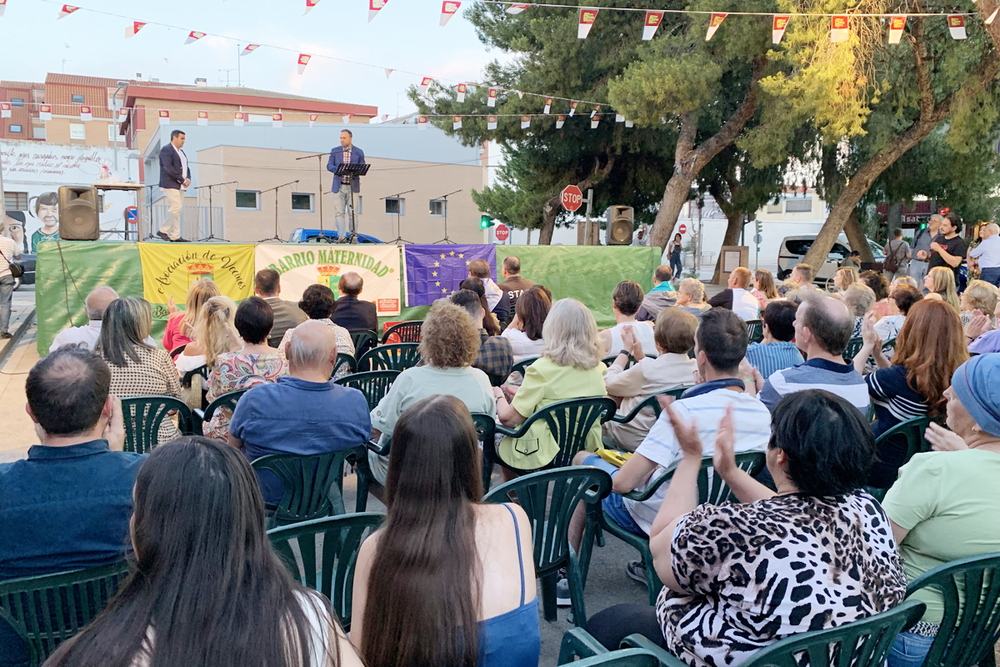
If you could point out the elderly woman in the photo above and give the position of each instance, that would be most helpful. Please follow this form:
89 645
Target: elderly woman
449 343
844 278
859 299
137 369
181 323
816 554
691 297
570 367
944 506
940 282
978 296
318 303
525 330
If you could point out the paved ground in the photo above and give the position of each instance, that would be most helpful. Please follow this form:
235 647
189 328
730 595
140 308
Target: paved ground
17 356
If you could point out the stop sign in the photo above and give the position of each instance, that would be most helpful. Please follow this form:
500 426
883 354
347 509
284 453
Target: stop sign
572 198
502 232
683 228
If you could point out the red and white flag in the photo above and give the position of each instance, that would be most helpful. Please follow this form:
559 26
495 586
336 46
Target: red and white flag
373 7
587 17
517 9
560 121
164 116
122 115
956 26
276 120
425 83
193 36
313 117
548 104
448 9
238 118
653 20
5 109
778 27
67 10
385 117
388 71
896 26
988 21
572 107
309 5
597 110
525 122
839 29
303 61
595 121
85 113
491 97
456 122
346 118
203 118
45 112
249 48
3 6
133 29
619 118
491 122
520 95
421 122
714 24
461 92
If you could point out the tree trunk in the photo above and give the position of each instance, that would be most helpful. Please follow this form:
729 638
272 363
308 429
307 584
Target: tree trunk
551 208
675 195
856 237
734 224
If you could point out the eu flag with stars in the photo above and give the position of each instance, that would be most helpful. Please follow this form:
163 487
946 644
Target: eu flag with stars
435 271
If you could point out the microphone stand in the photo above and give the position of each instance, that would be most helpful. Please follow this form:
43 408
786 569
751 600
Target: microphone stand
276 188
211 226
320 156
445 198
399 240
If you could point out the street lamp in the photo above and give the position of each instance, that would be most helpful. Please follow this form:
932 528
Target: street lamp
114 121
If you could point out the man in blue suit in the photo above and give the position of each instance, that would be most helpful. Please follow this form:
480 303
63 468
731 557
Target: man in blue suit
175 176
346 153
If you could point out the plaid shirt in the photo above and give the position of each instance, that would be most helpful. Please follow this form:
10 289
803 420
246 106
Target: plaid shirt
495 357
346 180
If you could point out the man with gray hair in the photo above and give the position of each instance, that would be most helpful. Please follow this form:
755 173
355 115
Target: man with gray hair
921 248
86 336
303 413
987 255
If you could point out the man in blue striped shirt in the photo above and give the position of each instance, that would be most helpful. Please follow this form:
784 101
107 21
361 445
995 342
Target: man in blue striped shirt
777 352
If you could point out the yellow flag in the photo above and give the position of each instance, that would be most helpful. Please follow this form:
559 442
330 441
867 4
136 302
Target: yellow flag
169 269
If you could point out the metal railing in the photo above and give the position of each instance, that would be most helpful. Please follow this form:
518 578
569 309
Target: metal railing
197 222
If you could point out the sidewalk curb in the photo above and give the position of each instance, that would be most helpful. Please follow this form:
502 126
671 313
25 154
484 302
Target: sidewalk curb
9 344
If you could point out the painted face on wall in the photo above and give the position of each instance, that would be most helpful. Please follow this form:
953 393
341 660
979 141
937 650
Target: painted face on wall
49 215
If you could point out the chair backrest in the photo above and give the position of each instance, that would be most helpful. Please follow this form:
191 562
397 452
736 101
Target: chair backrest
755 330
970 627
47 610
228 400
363 340
322 554
912 431
650 402
373 384
853 347
344 361
626 657
395 357
404 332
143 416
549 498
314 484
202 370
522 366
486 429
712 488
570 422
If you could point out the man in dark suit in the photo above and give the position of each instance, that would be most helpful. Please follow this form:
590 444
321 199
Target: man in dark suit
346 153
352 313
175 177
287 315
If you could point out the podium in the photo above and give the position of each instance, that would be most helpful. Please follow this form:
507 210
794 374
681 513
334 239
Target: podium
354 171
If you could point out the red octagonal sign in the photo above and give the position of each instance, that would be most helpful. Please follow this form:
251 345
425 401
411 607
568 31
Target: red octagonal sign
502 232
572 198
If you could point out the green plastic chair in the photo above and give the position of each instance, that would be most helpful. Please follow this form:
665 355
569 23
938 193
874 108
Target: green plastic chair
755 330
314 484
970 627
522 366
649 402
912 430
711 489
569 421
396 357
49 609
143 416
408 332
227 400
578 643
344 361
373 384
321 554
853 347
486 433
364 340
549 498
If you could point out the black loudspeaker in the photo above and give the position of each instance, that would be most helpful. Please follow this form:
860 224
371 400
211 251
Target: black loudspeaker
78 215
620 223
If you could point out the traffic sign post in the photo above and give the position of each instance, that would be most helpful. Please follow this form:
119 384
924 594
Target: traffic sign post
503 232
571 198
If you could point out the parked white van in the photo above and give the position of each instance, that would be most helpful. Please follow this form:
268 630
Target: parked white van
794 248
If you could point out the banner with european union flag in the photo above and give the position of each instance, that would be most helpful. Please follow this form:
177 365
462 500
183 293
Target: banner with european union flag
435 271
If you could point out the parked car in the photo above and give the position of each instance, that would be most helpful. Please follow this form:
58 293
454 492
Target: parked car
794 248
28 262
301 235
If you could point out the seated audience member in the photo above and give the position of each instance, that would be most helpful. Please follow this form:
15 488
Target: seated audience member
137 369
859 299
674 335
708 613
787 290
67 505
930 346
625 301
211 559
822 330
318 303
981 332
900 301
490 323
879 286
351 312
944 506
777 352
691 297
267 285
180 323
940 282
978 296
449 343
803 276
736 297
466 596
570 367
764 289
513 284
303 412
661 296
987 254
495 356
214 334
903 280
254 363
525 330
497 299
86 336
844 278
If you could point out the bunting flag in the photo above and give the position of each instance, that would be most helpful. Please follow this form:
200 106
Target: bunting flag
249 48
85 113
513 9
67 10
373 7
238 118
629 124
896 25
203 118
548 104
653 20
525 122
385 117
45 112
5 109
619 118
425 83
133 29
597 110
421 122
461 93
778 27
988 21
309 5
388 71
3 6
491 122
448 9
303 61
346 118
491 98
595 119
456 122
587 17
520 95
956 26
276 119
714 24
839 29
560 121
193 36
572 107
164 116
313 117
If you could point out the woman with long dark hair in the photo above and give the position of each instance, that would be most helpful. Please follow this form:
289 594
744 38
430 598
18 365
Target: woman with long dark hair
208 588
525 330
447 580
490 322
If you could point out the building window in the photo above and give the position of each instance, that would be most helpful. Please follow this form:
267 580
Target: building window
796 205
15 201
15 129
248 200
438 207
302 202
395 206
111 133
775 209
258 118
78 131
38 133
17 101
78 99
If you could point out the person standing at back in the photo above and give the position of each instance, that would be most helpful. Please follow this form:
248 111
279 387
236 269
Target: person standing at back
10 251
287 315
921 248
736 297
987 255
513 284
625 302
351 312
175 177
948 249
897 256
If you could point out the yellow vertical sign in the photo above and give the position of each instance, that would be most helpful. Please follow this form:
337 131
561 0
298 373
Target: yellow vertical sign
169 269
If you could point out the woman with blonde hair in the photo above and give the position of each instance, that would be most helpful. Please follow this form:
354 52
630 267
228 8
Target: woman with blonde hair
941 283
844 278
979 295
181 323
570 367
214 334
764 288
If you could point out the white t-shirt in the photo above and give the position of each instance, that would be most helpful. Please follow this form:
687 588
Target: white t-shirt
84 336
522 346
184 164
745 305
643 333
10 249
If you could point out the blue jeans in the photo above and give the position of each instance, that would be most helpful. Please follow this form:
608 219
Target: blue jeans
909 650
6 294
992 276
614 504
341 208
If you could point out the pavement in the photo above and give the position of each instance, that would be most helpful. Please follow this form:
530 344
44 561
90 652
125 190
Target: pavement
17 356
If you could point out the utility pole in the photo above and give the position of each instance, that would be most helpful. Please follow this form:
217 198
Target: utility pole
586 229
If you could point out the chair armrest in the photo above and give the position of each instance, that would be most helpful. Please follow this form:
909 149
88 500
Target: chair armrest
381 450
646 493
512 432
665 658
578 643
